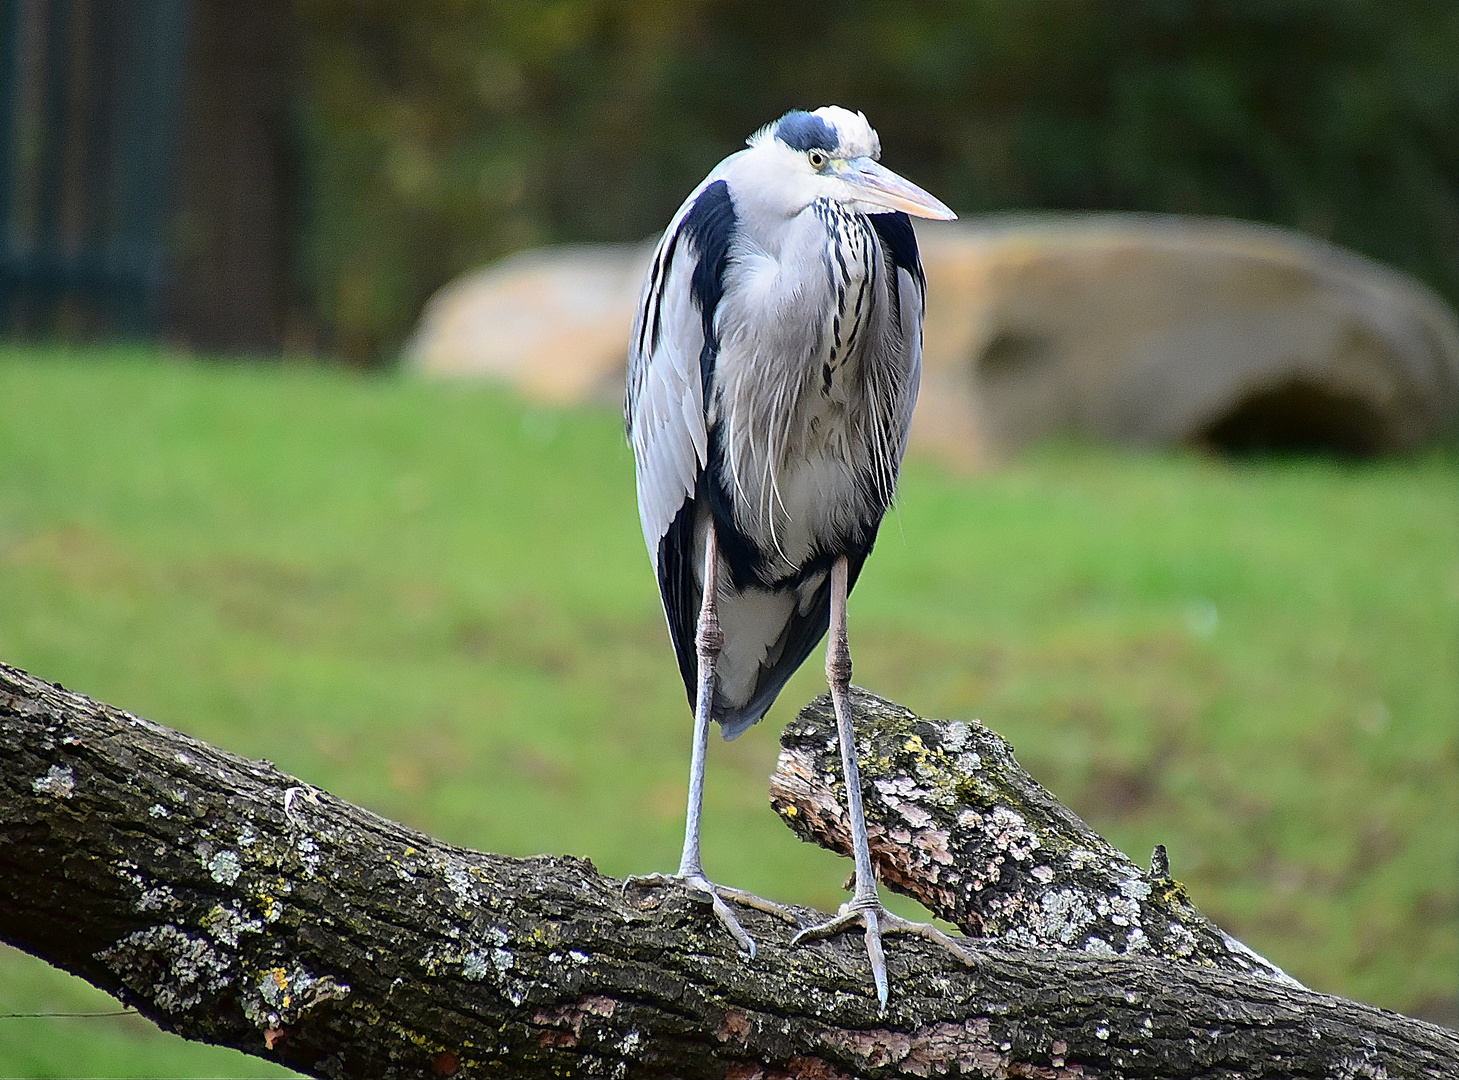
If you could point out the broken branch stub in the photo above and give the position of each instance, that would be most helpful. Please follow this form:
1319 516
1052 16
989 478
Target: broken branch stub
957 824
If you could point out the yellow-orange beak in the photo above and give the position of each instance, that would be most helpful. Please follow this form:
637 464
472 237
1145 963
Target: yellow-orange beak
873 183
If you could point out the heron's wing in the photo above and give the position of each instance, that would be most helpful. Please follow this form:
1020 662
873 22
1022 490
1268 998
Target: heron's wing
670 356
665 402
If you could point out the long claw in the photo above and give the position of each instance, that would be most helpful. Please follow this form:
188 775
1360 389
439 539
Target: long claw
877 921
647 879
726 916
878 957
895 924
718 894
827 928
759 903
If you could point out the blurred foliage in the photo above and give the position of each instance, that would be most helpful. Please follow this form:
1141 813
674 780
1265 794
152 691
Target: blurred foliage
445 133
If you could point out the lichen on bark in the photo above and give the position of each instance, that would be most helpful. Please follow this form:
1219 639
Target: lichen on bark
957 824
234 904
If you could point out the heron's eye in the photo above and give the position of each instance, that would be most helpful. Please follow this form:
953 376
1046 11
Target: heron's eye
817 159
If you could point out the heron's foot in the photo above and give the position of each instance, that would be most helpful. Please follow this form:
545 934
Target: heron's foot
876 921
718 894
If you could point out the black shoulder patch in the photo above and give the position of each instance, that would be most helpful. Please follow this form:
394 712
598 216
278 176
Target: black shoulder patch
899 240
806 131
711 226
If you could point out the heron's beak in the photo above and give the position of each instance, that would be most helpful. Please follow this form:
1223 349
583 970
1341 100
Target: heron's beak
875 184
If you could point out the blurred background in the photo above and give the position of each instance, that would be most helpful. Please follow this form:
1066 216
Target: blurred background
1180 521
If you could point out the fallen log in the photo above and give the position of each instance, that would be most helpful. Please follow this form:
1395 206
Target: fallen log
234 904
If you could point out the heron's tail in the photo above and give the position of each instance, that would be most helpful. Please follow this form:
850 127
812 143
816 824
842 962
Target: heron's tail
737 723
796 640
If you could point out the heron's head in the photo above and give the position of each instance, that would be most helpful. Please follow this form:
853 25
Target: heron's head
832 154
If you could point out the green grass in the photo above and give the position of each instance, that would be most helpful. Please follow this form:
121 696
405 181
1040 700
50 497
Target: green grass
433 600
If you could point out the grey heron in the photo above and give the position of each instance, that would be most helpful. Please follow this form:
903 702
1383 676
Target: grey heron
772 372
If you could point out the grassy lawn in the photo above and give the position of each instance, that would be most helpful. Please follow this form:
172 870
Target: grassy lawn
433 600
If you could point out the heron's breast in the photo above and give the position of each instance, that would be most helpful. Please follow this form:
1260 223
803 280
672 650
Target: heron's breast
795 482
790 396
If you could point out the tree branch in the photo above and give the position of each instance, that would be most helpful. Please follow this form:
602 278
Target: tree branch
233 904
956 823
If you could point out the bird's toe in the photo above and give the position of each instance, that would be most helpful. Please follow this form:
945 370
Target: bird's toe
877 921
717 895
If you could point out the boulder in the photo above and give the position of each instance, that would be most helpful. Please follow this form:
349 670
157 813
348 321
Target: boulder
1153 330
1138 329
552 321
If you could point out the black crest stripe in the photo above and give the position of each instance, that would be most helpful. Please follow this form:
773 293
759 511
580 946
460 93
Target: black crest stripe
805 131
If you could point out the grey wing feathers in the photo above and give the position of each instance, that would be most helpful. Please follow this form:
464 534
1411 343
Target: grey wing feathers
666 428
665 404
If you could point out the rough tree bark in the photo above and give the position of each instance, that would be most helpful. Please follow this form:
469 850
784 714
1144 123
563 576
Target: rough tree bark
231 903
956 823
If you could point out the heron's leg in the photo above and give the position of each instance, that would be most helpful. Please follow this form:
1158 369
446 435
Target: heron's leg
709 640
864 907
838 675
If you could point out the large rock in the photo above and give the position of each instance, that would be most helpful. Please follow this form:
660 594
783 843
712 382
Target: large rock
553 321
1153 330
1137 329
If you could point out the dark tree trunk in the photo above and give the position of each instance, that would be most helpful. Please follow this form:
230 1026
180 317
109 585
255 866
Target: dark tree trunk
235 905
